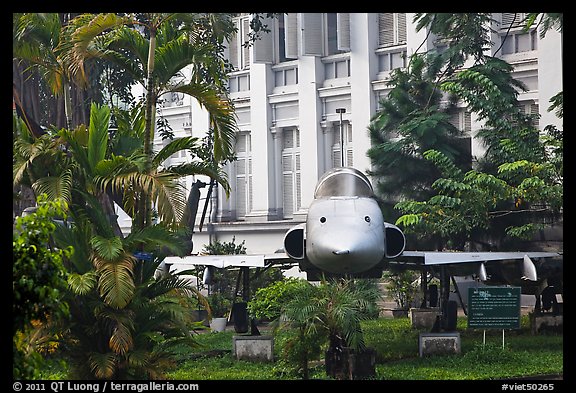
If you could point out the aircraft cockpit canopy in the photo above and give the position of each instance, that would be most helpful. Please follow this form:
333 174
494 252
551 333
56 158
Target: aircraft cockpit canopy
343 182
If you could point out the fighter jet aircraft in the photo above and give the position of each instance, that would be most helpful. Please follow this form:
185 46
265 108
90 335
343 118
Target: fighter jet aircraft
345 235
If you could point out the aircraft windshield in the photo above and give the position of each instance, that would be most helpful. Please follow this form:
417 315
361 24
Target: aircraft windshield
347 182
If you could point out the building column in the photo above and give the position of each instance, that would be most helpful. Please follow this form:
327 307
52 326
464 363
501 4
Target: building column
262 145
364 66
310 74
550 76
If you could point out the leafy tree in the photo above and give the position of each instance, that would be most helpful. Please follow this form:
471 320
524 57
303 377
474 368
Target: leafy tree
412 119
38 281
125 318
515 187
402 286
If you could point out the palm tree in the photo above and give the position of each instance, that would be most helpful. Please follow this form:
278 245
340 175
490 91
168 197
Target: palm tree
37 41
331 312
83 173
162 47
125 319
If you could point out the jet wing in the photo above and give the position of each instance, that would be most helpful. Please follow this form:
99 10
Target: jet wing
224 261
455 257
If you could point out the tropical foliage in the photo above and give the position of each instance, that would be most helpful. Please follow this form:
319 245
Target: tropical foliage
124 318
402 285
38 282
267 302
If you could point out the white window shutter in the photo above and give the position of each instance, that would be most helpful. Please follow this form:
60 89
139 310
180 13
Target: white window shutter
291 35
343 31
288 185
264 45
233 50
240 187
401 27
245 48
298 181
386 29
311 34
249 196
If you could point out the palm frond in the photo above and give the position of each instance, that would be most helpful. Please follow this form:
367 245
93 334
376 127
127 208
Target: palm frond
59 186
98 134
153 236
116 284
102 365
184 143
86 28
82 284
201 168
173 56
107 248
121 339
222 116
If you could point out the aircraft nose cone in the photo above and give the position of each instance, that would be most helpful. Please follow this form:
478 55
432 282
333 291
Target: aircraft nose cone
341 252
345 252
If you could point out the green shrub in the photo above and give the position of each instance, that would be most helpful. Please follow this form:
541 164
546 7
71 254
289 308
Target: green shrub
268 301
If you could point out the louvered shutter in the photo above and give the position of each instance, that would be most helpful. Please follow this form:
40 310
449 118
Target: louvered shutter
245 48
312 34
243 173
386 29
240 187
517 18
291 35
401 28
233 50
343 31
288 187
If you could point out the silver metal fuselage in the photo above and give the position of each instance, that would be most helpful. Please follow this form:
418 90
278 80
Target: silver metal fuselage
345 234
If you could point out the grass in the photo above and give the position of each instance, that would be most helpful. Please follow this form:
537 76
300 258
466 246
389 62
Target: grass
397 358
396 345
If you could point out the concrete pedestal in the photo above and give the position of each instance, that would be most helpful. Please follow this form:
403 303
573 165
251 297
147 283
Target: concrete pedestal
552 323
430 344
423 318
258 348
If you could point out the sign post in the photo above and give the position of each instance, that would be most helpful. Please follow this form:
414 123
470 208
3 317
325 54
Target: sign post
494 308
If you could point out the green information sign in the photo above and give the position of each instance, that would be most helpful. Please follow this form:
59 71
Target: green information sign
494 307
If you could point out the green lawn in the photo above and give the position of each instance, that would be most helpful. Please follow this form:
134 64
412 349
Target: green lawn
397 357
396 345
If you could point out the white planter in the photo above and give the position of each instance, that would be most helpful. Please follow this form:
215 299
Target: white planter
218 324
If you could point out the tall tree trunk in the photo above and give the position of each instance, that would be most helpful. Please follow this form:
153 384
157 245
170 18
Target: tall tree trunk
145 203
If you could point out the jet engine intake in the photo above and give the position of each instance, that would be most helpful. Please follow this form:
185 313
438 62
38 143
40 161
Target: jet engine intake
294 242
394 240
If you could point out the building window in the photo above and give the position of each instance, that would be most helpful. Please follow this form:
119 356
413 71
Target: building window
287 43
462 120
337 33
514 38
389 60
519 42
391 29
335 147
243 175
291 171
238 52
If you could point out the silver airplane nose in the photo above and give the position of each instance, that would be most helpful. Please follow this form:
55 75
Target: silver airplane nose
344 252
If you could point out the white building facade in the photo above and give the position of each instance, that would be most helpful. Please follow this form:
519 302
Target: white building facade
313 77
